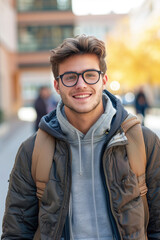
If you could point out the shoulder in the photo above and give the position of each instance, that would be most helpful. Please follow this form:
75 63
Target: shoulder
28 144
152 143
150 137
25 151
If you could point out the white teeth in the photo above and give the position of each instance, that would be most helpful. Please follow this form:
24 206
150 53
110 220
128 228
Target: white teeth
82 96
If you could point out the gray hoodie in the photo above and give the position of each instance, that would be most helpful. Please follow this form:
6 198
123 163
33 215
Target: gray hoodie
88 211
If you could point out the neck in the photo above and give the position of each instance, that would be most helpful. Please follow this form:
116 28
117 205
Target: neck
83 121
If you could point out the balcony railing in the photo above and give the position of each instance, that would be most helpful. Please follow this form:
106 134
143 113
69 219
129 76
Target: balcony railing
43 5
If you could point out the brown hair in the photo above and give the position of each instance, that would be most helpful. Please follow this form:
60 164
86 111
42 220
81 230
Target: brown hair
81 44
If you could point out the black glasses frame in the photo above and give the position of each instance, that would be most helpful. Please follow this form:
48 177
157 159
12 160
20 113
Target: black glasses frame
78 74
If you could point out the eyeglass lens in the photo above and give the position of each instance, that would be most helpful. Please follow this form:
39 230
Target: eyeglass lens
90 77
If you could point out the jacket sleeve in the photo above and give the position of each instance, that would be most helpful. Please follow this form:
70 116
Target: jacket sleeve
152 143
21 211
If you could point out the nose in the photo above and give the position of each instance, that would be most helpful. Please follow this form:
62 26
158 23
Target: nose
81 83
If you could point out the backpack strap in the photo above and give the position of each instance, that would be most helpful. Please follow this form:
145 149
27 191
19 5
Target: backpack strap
42 158
137 157
133 131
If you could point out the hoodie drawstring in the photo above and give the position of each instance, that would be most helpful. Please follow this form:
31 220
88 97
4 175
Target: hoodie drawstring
80 158
93 186
70 218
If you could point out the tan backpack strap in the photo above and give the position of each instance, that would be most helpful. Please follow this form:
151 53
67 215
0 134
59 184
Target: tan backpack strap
133 131
129 122
137 156
42 158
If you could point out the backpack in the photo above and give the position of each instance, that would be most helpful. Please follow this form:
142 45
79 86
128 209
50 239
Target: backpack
45 146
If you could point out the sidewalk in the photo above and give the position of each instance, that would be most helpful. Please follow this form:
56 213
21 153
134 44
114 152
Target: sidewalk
10 127
12 133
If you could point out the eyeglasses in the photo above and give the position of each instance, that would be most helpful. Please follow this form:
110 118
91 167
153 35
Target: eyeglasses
70 79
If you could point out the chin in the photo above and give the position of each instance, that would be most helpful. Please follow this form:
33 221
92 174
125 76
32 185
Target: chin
82 110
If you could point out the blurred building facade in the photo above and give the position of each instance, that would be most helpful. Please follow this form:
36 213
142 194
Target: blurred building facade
42 25
9 87
144 16
97 25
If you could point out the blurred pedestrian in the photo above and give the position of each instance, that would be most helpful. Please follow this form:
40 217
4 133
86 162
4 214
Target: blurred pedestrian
92 190
43 104
51 102
141 105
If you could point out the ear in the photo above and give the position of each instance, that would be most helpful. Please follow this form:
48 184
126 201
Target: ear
56 86
105 79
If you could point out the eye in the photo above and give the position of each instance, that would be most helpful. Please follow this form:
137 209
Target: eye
91 75
70 77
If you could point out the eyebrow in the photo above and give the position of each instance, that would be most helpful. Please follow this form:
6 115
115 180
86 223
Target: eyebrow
88 69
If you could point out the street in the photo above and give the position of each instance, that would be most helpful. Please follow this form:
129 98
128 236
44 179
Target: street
15 132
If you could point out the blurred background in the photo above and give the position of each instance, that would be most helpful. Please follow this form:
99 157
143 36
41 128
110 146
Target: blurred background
29 29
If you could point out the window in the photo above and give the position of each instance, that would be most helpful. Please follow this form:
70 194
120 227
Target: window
41 38
41 5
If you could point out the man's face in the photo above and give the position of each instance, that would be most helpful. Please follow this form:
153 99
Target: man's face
81 98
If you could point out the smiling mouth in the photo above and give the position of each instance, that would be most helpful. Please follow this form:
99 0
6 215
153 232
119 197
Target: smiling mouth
82 96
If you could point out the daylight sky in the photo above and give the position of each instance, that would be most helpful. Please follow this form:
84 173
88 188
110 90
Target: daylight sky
82 7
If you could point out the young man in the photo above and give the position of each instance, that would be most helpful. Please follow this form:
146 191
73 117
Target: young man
92 192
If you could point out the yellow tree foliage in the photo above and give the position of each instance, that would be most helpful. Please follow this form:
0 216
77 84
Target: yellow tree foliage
134 64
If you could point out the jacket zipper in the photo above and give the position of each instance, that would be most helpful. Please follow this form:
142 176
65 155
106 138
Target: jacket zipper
66 229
